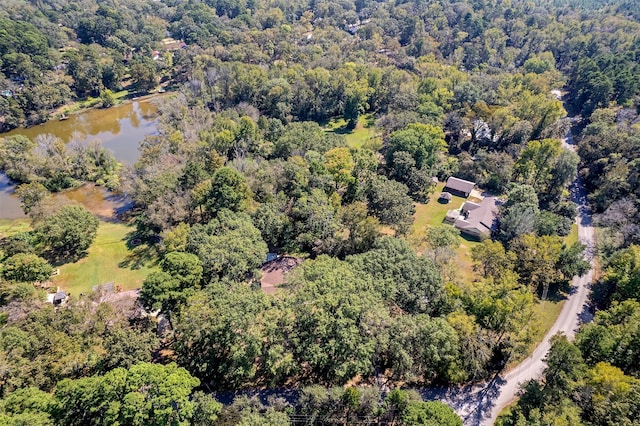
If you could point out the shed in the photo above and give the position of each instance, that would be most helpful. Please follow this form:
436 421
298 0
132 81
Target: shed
59 298
459 187
445 197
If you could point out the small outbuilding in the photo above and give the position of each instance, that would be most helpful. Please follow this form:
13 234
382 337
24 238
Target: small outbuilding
445 197
59 298
459 187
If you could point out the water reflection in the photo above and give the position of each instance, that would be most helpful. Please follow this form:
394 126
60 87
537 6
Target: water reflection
9 203
119 129
98 200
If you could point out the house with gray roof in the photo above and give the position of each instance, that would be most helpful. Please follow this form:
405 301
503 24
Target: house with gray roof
475 219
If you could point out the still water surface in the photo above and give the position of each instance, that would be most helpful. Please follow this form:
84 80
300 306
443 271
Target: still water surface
119 129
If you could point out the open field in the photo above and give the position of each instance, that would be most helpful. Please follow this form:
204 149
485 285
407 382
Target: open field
109 260
357 137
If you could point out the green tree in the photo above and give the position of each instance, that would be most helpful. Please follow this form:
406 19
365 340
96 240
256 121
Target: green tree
411 281
207 409
31 195
28 406
339 316
26 267
160 291
564 367
126 347
430 413
68 232
363 229
228 190
143 394
389 202
185 267
229 246
168 289
340 164
442 241
107 98
422 141
15 157
520 212
423 349
613 337
491 259
144 76
219 334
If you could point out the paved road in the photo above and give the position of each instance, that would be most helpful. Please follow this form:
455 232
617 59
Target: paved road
479 405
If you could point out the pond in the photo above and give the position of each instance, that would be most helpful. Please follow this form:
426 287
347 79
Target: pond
119 129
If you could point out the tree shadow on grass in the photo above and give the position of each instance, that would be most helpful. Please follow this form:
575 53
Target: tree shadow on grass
140 252
140 256
558 293
57 259
342 130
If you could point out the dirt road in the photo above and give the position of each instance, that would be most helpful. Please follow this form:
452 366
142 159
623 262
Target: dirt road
479 405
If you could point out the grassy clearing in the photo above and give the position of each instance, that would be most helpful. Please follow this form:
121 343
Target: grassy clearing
355 138
109 260
9 227
433 214
572 238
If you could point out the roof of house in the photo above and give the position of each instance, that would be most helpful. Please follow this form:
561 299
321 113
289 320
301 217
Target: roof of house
480 217
61 295
446 196
460 184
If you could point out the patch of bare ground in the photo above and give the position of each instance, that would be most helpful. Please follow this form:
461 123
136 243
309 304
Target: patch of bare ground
273 273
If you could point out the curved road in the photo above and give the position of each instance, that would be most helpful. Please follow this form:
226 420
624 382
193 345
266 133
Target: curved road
479 405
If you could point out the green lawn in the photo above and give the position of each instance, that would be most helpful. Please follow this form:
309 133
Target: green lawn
355 138
11 227
433 214
109 260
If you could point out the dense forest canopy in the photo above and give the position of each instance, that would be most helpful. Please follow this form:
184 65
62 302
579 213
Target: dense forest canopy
254 153
56 52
